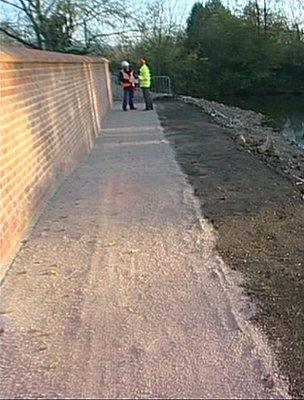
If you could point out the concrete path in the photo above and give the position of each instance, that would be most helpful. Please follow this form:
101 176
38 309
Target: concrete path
119 292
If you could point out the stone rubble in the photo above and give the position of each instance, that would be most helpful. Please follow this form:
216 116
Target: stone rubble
251 131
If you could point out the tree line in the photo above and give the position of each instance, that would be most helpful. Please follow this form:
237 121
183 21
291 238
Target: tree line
255 49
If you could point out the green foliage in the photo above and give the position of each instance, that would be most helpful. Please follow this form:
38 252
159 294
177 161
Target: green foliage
58 27
221 52
233 54
256 50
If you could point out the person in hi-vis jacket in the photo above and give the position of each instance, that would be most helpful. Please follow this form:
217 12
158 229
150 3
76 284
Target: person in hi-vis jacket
145 83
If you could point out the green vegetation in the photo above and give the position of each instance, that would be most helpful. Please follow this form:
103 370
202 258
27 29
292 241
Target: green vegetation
221 52
253 50
245 53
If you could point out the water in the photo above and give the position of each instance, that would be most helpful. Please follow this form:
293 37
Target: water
286 110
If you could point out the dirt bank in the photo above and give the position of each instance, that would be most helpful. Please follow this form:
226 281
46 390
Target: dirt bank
259 217
252 131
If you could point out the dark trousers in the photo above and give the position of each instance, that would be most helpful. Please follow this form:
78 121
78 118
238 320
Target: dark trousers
148 98
128 95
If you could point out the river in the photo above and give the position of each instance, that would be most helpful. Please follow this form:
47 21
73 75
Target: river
286 110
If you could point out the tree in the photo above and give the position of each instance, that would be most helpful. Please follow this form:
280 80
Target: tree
254 50
64 24
221 50
199 16
158 24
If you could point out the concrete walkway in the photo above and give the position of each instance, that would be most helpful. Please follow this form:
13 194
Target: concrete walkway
119 292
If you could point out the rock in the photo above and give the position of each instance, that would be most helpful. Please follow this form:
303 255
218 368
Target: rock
277 153
240 140
262 149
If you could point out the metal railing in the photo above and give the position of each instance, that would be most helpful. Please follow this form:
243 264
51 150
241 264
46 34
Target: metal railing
160 85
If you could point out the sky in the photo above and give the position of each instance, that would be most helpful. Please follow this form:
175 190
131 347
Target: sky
293 9
185 6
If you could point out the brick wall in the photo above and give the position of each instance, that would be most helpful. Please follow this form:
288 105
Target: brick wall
51 106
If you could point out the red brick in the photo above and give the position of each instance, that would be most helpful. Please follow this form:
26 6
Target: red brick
51 109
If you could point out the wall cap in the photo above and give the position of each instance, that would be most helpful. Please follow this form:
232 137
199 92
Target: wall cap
10 54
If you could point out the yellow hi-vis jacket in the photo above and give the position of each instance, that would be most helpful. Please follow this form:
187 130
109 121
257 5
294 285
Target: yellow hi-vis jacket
144 77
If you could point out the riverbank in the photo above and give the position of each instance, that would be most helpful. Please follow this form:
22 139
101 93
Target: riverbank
258 215
252 132
285 110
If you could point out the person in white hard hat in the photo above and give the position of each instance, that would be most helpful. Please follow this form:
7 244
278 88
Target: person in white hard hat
127 80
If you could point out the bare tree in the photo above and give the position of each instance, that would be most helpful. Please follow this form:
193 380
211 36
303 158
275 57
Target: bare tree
263 13
160 17
62 24
296 9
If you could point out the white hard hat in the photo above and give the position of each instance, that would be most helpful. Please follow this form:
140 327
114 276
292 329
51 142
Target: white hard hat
125 64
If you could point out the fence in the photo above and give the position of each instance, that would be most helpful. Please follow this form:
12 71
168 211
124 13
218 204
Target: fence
161 85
